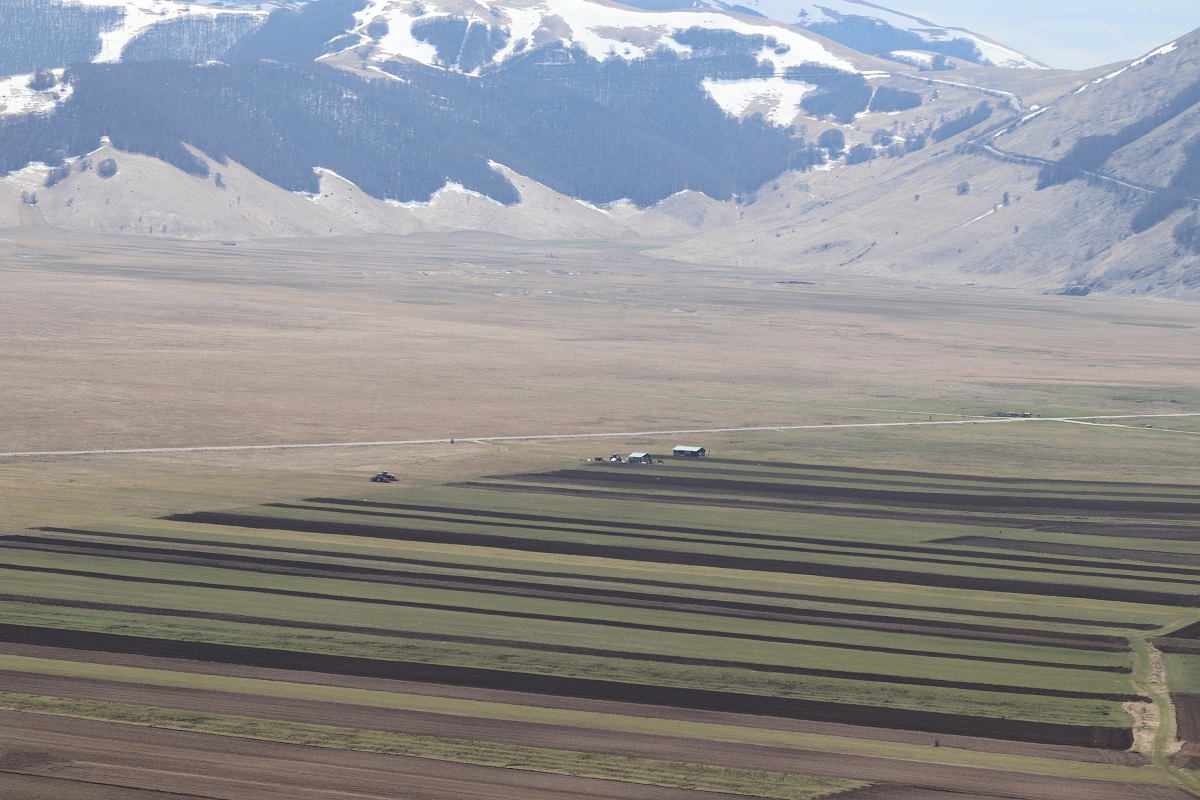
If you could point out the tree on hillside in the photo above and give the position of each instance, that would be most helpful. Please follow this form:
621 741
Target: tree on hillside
1187 235
888 99
834 141
967 120
860 154
43 80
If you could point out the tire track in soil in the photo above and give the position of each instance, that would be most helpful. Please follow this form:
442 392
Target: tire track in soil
562 618
595 652
716 608
648 555
1104 737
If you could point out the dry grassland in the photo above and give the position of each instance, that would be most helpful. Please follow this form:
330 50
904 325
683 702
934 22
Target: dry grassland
121 342
111 343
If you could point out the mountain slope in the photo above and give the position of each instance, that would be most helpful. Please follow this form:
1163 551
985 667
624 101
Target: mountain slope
1095 193
700 101
235 204
873 29
751 141
47 34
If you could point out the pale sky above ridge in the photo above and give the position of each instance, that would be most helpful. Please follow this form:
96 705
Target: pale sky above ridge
1068 34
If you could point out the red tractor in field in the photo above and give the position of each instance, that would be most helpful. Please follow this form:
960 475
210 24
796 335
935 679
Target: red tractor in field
384 477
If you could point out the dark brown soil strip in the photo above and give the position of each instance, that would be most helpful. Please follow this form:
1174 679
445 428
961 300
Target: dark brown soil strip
695 559
1188 757
595 652
928 721
1025 546
1030 487
793 544
1187 716
750 637
741 610
405 721
1156 531
1008 747
937 476
182 764
1118 529
887 791
792 596
1190 632
1169 644
955 501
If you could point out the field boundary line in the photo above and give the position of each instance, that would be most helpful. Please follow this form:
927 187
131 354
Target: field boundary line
594 435
1150 678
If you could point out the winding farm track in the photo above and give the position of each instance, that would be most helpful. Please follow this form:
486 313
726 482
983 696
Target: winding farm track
1102 420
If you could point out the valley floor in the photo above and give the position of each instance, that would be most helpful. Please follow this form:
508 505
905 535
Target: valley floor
844 600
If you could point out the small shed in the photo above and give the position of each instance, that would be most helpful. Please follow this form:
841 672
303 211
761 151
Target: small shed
641 458
690 452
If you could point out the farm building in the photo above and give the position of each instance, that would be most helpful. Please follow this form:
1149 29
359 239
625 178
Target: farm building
690 452
641 458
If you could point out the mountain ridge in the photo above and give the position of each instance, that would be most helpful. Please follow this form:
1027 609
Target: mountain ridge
741 139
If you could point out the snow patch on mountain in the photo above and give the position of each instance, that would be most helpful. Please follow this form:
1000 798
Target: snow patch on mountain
140 15
17 96
809 13
603 30
916 58
1161 51
249 5
778 100
997 54
450 188
398 41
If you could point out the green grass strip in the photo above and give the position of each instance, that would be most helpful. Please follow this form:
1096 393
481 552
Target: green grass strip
697 777
706 731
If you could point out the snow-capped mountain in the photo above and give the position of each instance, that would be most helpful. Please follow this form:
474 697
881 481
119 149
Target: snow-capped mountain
467 36
475 36
430 30
351 115
1095 190
595 100
871 28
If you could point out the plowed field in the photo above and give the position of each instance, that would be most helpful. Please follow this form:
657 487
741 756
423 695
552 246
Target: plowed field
898 655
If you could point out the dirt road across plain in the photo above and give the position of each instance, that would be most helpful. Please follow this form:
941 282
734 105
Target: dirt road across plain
607 435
